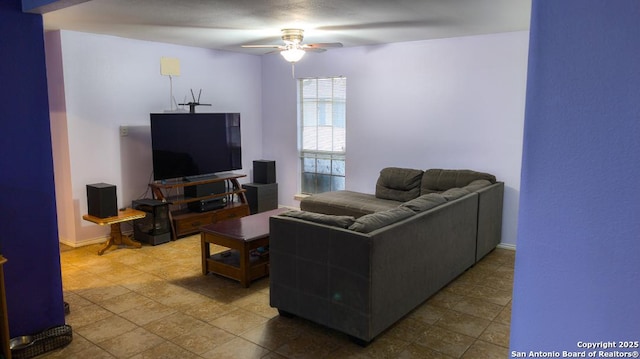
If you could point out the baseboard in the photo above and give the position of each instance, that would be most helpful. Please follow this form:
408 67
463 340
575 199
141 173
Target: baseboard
90 241
511 247
87 242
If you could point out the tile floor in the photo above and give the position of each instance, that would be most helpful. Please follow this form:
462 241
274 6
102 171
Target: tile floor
155 303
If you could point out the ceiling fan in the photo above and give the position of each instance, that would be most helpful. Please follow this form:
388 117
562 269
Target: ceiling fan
293 49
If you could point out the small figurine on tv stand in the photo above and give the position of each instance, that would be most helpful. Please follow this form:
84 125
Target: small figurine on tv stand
192 105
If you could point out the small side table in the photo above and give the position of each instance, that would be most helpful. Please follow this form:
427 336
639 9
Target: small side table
116 237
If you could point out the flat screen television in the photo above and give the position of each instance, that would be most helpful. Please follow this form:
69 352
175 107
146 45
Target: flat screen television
190 145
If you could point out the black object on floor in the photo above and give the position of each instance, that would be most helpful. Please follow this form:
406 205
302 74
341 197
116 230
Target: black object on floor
48 340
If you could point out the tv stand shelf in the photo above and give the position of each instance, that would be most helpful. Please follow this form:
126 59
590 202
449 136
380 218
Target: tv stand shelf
181 199
183 221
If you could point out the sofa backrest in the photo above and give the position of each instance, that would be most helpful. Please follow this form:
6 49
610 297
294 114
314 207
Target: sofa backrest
399 184
438 180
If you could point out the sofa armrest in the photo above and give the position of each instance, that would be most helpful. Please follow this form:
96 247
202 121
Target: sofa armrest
489 218
321 273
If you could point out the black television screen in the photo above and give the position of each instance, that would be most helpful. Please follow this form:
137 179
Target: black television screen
194 144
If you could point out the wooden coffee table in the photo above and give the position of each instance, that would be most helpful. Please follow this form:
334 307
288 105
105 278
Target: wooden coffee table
241 236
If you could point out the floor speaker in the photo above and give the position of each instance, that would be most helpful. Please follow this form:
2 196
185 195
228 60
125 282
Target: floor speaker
101 200
264 171
261 197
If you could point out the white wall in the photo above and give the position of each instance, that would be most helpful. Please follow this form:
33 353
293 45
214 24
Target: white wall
450 103
109 82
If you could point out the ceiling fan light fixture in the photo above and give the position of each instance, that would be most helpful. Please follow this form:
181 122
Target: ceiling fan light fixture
292 54
292 36
293 49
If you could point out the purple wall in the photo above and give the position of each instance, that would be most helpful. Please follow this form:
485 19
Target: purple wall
28 229
577 271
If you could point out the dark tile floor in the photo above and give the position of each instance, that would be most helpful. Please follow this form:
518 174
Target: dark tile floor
155 303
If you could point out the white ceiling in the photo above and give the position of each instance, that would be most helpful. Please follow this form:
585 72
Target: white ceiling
228 24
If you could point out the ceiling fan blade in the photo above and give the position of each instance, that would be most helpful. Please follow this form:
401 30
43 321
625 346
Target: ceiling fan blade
293 39
263 46
322 45
274 52
314 49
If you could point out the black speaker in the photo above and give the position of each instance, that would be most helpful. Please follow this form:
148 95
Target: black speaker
101 200
206 189
155 227
261 197
264 171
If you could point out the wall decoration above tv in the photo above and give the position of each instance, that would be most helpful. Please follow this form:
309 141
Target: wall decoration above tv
194 144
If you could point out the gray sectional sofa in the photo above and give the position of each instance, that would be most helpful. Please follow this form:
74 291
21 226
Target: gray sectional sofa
359 262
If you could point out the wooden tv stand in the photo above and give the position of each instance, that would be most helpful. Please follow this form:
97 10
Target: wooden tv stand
183 221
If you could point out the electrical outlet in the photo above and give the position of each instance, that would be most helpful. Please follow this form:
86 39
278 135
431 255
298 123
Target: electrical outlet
124 131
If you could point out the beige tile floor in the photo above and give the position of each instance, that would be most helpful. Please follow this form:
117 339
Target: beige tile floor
154 302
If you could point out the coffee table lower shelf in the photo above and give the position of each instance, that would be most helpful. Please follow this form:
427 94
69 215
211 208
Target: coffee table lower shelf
227 264
242 236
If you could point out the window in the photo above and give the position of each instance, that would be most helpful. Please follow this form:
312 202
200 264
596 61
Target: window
322 131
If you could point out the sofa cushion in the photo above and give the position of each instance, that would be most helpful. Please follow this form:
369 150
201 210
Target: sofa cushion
346 203
373 221
425 202
438 180
476 185
454 193
328 219
398 184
